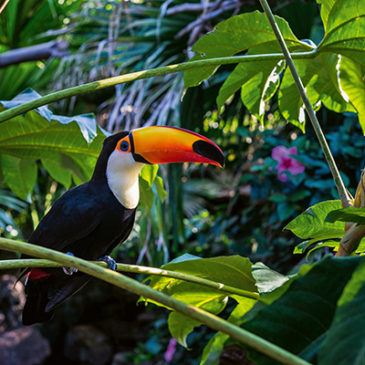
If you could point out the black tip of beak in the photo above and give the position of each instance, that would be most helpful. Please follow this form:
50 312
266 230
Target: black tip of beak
208 150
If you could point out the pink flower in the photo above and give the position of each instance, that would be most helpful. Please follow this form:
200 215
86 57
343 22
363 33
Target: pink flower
171 348
286 162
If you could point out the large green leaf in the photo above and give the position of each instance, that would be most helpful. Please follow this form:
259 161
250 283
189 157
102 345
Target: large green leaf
67 146
348 214
237 34
326 6
20 175
351 78
345 29
323 225
312 225
267 280
298 318
151 186
254 79
344 22
319 76
230 270
345 340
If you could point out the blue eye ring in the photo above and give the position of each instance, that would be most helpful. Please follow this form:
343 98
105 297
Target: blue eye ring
124 146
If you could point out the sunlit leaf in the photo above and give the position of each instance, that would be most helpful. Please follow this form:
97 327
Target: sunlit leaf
231 270
312 225
348 214
64 142
237 34
352 81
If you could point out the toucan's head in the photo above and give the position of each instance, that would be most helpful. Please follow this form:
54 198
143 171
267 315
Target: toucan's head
124 154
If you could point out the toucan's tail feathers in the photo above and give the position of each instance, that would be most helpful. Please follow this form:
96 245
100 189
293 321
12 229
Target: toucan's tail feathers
37 299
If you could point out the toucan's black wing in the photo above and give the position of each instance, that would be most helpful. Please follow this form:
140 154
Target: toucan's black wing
73 216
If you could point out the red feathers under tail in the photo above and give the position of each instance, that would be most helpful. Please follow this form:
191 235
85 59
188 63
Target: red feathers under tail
47 290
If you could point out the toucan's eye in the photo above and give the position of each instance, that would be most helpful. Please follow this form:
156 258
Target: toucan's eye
124 146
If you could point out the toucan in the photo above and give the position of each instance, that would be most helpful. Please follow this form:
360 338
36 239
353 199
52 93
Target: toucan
89 220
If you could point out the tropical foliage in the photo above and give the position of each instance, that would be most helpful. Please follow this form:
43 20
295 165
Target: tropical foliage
229 222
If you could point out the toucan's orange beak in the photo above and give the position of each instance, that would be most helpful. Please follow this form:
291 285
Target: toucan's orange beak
156 145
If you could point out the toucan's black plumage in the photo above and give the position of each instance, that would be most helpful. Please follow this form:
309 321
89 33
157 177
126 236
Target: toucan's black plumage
89 220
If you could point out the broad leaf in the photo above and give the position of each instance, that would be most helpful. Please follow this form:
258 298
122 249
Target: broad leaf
267 279
254 79
304 309
149 173
232 270
349 214
345 340
237 34
73 143
151 186
326 6
351 78
312 225
345 29
319 76
20 175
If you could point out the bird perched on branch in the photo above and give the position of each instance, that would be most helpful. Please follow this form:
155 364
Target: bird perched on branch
89 220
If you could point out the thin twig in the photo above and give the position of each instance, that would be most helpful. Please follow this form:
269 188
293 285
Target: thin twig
136 269
203 19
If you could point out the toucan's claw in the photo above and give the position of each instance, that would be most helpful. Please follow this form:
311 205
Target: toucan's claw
112 265
69 270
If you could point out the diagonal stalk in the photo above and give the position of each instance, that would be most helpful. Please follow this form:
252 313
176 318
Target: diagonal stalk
342 192
159 71
271 350
24 263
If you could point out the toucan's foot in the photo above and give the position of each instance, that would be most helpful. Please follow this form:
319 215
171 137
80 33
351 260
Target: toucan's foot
69 270
112 265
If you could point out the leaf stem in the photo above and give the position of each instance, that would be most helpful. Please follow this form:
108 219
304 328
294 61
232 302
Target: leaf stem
23 263
344 196
159 71
117 279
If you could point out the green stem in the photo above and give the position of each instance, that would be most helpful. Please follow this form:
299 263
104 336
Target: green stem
159 71
117 279
23 263
344 196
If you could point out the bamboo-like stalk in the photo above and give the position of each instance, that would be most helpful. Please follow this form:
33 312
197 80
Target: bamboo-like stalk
342 192
117 279
23 263
159 71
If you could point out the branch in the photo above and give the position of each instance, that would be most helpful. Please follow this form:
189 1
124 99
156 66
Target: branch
3 5
350 241
342 192
354 232
33 53
159 71
212 321
24 263
204 18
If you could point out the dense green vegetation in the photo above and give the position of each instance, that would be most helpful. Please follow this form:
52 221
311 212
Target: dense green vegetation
266 227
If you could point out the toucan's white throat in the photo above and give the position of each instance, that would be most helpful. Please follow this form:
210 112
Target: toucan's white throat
122 175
